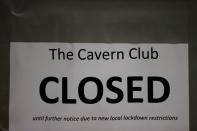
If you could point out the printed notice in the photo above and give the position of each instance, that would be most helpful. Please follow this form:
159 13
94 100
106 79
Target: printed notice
97 86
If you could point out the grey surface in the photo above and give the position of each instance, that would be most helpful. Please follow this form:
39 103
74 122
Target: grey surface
96 21
102 22
4 66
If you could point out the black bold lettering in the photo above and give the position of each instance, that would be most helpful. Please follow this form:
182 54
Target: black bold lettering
65 92
166 86
43 94
99 90
114 89
131 89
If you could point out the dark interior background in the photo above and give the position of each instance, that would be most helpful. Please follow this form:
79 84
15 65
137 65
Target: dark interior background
109 21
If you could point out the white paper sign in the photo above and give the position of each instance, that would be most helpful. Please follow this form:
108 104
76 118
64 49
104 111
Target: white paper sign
95 86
